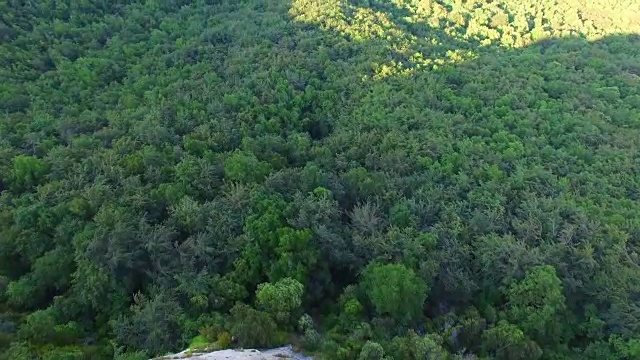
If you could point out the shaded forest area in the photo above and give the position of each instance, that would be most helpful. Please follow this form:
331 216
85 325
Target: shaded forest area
401 179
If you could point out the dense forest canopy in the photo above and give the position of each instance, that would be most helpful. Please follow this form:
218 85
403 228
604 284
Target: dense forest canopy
368 179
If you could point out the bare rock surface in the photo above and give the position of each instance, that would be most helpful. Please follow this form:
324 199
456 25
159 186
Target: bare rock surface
281 353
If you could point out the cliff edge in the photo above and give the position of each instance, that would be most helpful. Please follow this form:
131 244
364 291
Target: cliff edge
281 353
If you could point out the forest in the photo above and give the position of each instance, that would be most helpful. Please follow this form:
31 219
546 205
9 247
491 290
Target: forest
363 179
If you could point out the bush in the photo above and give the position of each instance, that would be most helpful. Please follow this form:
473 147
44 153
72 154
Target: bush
305 323
223 341
28 171
311 340
252 328
281 299
153 325
371 351
394 290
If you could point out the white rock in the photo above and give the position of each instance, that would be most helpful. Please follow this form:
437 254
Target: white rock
282 353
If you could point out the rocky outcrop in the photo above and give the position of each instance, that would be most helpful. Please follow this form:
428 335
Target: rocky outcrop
282 353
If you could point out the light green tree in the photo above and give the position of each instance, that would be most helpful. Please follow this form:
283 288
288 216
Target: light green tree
371 351
537 305
27 170
245 167
506 341
395 291
281 299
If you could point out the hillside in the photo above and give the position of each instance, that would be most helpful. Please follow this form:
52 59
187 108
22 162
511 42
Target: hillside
400 179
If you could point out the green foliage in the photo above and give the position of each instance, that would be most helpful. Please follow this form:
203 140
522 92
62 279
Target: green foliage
395 291
50 272
153 324
537 305
311 339
295 254
133 355
507 341
252 328
223 341
305 323
27 171
281 299
371 351
245 167
20 351
413 347
41 329
64 353
198 342
462 169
